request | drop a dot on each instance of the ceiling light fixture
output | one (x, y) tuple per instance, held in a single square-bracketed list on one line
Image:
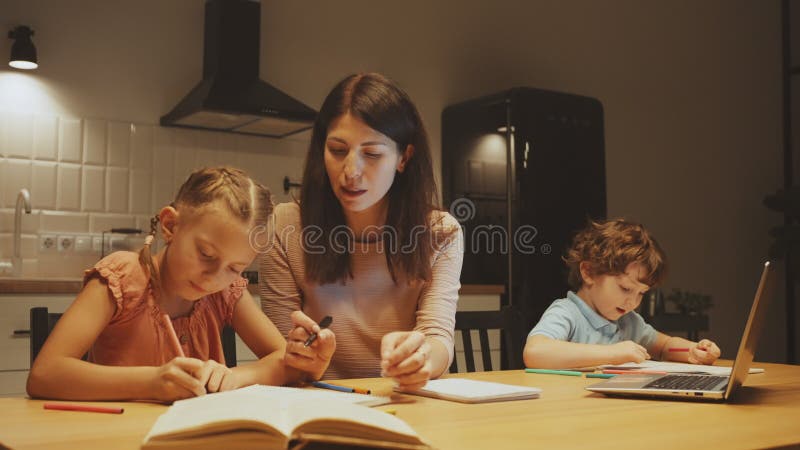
[(23, 52)]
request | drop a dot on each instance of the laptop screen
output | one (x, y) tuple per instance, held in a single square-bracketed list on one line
[(752, 330)]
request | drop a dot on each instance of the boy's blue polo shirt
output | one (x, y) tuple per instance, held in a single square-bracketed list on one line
[(571, 319)]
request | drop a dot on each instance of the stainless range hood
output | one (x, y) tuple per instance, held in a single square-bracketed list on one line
[(231, 97)]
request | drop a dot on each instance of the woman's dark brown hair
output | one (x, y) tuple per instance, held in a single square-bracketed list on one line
[(384, 107), (610, 246)]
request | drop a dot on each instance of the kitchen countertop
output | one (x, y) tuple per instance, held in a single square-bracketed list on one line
[(73, 285)]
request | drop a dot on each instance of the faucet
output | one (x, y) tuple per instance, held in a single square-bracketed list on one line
[(23, 200)]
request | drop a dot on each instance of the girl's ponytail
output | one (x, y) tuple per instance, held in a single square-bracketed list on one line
[(146, 257)]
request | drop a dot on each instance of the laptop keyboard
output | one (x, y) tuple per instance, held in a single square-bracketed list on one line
[(686, 382)]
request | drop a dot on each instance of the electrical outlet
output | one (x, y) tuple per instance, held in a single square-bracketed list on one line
[(83, 244), (66, 243), (47, 243)]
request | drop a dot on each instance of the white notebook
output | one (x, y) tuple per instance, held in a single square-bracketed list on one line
[(473, 391), (673, 367)]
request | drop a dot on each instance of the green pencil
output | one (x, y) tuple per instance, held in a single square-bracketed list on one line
[(572, 373), (600, 375)]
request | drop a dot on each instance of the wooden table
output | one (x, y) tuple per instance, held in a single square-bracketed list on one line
[(765, 413)]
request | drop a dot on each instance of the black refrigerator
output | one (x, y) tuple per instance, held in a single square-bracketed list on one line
[(522, 171)]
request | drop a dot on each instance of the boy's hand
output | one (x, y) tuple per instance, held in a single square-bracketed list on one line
[(315, 358), (703, 352), (405, 356), (627, 351), (175, 380)]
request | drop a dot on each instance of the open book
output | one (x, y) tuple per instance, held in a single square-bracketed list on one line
[(675, 367), (473, 391), (269, 417)]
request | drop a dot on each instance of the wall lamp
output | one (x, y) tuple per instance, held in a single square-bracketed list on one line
[(23, 52)]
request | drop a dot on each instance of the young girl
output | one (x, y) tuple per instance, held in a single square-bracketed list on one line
[(365, 245), (133, 306), (611, 266)]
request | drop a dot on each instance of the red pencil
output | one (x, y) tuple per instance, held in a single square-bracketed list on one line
[(634, 372), (678, 349), (85, 408)]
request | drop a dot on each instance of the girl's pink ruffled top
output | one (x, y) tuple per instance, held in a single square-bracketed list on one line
[(136, 336)]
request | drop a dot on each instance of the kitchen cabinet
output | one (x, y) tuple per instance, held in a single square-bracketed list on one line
[(15, 343)]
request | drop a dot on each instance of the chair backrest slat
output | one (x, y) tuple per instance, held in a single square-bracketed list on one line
[(469, 357), (507, 320)]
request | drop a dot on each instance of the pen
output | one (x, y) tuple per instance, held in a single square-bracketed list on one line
[(573, 373), (324, 323), (634, 372), (678, 349), (600, 375), (85, 408), (336, 387), (176, 344)]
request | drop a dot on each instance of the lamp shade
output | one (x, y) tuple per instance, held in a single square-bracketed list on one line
[(23, 52)]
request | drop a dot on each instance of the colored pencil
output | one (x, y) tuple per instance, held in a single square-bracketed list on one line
[(83, 408)]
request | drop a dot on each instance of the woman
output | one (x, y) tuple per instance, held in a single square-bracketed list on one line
[(365, 245)]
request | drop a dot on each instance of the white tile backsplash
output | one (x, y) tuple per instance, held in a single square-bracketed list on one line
[(90, 175), (141, 191), (30, 222), (142, 146), (185, 163), (70, 140), (93, 188), (117, 190), (211, 158), (68, 196), (119, 144), (43, 185), (17, 139), (163, 188), (45, 138), (105, 222), (59, 221), (28, 245), (17, 176), (94, 141)]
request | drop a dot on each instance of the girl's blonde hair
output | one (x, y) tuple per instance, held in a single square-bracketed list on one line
[(244, 197), (610, 246)]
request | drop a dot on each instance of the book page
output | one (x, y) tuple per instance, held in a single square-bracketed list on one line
[(350, 420), (676, 367), (264, 405)]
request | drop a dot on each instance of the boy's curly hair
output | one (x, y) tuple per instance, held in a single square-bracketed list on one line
[(610, 246)]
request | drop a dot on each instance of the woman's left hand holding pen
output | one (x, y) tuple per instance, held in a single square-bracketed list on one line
[(405, 356), (314, 357)]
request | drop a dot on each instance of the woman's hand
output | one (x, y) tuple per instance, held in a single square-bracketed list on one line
[(176, 380), (315, 358), (405, 356), (704, 352)]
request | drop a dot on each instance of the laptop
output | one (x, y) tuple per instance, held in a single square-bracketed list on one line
[(702, 387)]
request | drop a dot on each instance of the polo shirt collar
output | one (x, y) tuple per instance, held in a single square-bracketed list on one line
[(595, 320)]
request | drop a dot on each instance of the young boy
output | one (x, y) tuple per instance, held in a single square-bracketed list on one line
[(611, 266)]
